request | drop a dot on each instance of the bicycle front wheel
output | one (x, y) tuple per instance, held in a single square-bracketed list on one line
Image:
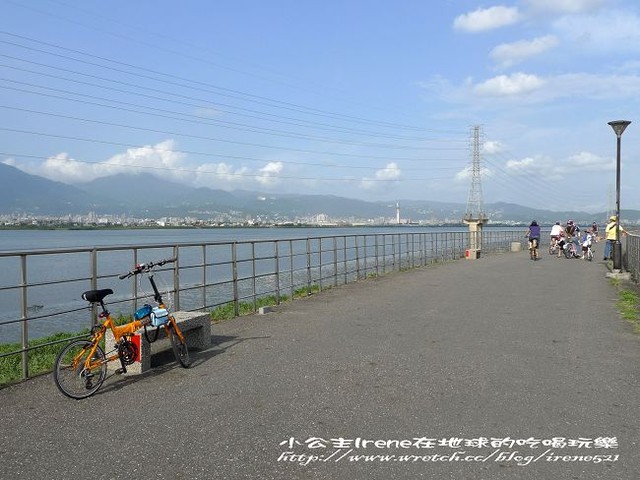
[(70, 373), (179, 347)]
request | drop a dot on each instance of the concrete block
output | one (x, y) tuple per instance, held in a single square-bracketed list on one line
[(195, 326)]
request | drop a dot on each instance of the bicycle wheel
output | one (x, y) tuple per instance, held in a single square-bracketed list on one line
[(568, 251), (180, 350), (71, 376)]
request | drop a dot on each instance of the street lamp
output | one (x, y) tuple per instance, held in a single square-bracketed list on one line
[(618, 127)]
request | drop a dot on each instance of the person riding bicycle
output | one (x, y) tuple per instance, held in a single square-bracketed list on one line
[(594, 231), (533, 233), (586, 242), (557, 233), (572, 230)]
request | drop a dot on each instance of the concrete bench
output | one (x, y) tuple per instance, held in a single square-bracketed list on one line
[(195, 326)]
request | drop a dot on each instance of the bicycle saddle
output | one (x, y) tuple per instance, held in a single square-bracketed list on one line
[(96, 295)]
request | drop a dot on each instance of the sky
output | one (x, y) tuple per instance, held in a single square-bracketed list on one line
[(367, 99)]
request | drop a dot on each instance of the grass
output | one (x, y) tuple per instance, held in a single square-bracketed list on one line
[(628, 305), (227, 311), (40, 360)]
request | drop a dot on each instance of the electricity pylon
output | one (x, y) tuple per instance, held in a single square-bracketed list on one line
[(475, 215)]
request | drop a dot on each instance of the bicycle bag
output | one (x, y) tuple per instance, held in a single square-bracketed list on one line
[(142, 312), (159, 316)]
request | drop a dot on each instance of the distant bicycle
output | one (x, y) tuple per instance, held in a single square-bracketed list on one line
[(554, 246), (571, 250)]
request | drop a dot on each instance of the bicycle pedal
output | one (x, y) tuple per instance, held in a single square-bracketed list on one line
[(121, 371)]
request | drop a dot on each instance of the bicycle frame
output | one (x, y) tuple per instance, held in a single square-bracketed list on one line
[(119, 331)]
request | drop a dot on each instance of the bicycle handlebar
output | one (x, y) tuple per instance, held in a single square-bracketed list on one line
[(146, 267)]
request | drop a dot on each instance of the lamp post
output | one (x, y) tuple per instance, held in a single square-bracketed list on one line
[(618, 127)]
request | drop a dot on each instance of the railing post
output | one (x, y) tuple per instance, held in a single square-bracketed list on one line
[(320, 262), (291, 283), (375, 248), (355, 239), (277, 270), (94, 285), (24, 311), (384, 253), (335, 261), (344, 259), (253, 275), (308, 266), (176, 278), (204, 277), (234, 266), (134, 289)]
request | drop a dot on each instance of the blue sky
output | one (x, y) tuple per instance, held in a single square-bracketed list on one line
[(366, 99)]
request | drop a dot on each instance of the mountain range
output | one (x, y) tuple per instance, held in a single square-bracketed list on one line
[(147, 196)]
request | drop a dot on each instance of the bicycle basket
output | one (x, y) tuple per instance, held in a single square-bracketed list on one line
[(159, 316), (142, 312)]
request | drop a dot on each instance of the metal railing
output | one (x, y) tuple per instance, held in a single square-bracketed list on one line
[(631, 256), (40, 290)]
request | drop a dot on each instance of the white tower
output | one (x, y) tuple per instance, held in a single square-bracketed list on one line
[(398, 213)]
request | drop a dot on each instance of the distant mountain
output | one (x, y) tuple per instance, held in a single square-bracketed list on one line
[(149, 196), (21, 192)]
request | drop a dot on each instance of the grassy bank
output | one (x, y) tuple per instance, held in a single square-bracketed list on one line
[(629, 307)]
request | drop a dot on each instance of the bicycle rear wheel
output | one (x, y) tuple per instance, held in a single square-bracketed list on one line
[(179, 347), (70, 374)]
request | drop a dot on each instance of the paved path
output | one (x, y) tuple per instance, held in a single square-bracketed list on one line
[(500, 347)]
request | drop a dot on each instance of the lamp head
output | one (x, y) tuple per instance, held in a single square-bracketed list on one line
[(619, 126)]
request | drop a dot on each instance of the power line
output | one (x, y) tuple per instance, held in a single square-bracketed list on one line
[(220, 90), (234, 157), (203, 120), (269, 175)]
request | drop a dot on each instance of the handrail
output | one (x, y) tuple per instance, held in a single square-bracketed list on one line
[(208, 275)]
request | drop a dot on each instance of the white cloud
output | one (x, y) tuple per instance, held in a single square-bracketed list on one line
[(565, 6), (383, 177), (464, 175), (586, 161), (492, 147), (613, 32), (540, 166), (219, 175), (549, 169), (66, 169), (508, 54), (509, 85), (269, 173), (481, 20)]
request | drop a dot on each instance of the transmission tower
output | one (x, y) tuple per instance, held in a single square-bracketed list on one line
[(475, 215), (475, 204)]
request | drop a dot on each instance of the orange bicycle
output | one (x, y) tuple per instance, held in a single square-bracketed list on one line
[(81, 367)]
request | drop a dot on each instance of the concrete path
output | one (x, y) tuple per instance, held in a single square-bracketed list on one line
[(500, 368)]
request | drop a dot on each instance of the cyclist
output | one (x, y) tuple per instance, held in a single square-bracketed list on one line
[(557, 232), (534, 239), (573, 233), (586, 241), (594, 231)]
